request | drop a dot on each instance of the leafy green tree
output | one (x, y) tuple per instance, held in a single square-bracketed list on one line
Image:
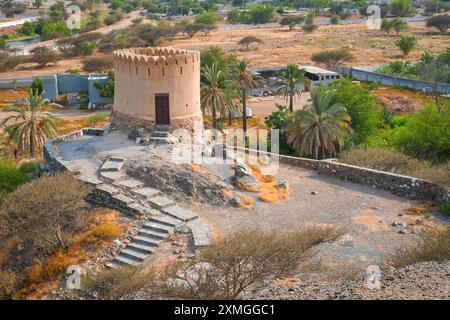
[(332, 58), (406, 44), (224, 62), (234, 16), (440, 22), (32, 124), (386, 25), (280, 119), (319, 128), (248, 40), (400, 8), (398, 25), (291, 21), (207, 18), (361, 106), (260, 14), (426, 134), (289, 81), (28, 28), (106, 89), (215, 91)]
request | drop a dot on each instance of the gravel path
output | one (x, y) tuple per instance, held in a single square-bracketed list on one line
[(425, 280)]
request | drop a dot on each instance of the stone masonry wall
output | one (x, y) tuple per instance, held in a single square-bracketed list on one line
[(395, 183)]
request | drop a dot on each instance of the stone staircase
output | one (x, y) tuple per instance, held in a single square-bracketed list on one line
[(161, 134), (115, 189)]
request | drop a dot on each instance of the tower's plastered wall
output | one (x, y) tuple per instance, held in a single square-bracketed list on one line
[(140, 73)]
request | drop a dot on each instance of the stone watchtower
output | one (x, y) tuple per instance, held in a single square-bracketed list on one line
[(156, 87)]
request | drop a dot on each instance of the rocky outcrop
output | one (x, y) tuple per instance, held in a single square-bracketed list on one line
[(244, 178)]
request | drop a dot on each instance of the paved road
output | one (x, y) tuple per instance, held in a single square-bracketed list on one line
[(17, 22)]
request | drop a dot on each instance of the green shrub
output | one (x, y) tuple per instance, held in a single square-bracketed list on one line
[(37, 85), (11, 176), (96, 118), (445, 209), (335, 19), (361, 106), (426, 134)]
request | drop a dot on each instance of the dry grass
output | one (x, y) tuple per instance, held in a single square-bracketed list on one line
[(9, 95), (396, 162), (99, 227), (434, 246), (234, 263), (246, 202), (268, 192), (107, 231), (66, 126)]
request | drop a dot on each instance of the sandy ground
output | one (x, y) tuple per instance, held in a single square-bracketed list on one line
[(279, 47), (370, 47), (264, 106), (365, 212)]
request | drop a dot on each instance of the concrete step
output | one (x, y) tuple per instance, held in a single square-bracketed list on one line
[(122, 260), (141, 248), (166, 220), (162, 127), (133, 254), (160, 202), (179, 213), (122, 200), (152, 234), (137, 208), (112, 176), (117, 159), (146, 192), (108, 189), (158, 227), (131, 184), (142, 239), (160, 134), (160, 140), (112, 166)]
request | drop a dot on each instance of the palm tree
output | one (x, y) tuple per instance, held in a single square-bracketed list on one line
[(246, 81), (318, 129), (32, 124), (288, 82), (216, 92)]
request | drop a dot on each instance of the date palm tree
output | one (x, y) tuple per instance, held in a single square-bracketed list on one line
[(319, 129), (216, 92), (288, 83), (246, 81), (32, 124)]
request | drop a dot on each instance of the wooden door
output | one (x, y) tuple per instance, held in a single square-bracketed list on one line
[(162, 108)]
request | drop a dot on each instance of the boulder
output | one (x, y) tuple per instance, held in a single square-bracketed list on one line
[(283, 185), (244, 178)]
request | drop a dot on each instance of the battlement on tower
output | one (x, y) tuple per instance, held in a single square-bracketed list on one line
[(157, 56)]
